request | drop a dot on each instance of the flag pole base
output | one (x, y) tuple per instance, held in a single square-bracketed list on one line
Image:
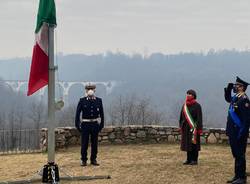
[(50, 174), (64, 178)]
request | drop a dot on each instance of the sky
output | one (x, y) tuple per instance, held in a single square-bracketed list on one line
[(129, 26)]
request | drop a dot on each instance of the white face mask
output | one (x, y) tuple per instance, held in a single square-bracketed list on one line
[(90, 92)]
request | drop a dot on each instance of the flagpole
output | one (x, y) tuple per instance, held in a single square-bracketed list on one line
[(51, 97)]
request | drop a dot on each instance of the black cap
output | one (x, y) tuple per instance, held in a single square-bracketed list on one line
[(240, 81), (192, 92), (90, 86)]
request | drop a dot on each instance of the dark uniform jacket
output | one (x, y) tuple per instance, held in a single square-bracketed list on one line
[(186, 135), (91, 108), (242, 109)]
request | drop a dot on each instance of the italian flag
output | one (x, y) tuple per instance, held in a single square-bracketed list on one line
[(39, 70)]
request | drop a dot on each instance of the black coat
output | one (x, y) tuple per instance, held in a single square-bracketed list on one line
[(90, 109), (242, 109), (186, 135)]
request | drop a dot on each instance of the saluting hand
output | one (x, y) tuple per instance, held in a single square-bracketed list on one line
[(230, 86)]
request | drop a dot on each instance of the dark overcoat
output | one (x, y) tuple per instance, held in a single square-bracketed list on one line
[(186, 134)]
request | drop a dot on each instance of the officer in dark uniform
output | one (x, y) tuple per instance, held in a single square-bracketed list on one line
[(238, 127), (90, 123)]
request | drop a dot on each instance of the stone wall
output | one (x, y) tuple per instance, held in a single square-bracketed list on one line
[(69, 136)]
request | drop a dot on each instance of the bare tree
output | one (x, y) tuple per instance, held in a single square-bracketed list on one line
[(132, 110), (2, 120), (144, 111), (119, 110), (37, 113), (175, 111), (2, 127), (66, 117), (19, 120), (111, 115), (11, 137)]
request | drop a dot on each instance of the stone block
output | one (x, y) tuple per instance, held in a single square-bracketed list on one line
[(152, 131), (133, 134), (179, 137), (162, 132), (141, 134), (212, 139), (107, 130), (105, 138), (171, 138), (118, 141), (223, 137), (169, 132), (112, 135), (217, 135), (126, 131), (74, 132), (72, 141)]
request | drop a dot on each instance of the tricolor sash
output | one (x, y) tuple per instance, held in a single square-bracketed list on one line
[(235, 117), (191, 123)]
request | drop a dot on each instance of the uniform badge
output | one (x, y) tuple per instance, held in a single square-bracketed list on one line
[(247, 104)]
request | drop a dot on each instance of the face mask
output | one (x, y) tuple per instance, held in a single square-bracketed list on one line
[(189, 97), (90, 92)]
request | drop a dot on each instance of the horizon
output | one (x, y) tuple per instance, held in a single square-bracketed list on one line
[(202, 52)]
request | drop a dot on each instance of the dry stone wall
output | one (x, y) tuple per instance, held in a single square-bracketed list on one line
[(69, 136)]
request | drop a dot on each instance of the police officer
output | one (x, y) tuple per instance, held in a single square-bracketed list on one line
[(238, 121), (90, 124)]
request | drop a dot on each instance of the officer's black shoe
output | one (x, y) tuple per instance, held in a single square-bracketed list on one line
[(94, 163), (83, 163), (240, 181), (193, 163), (187, 162)]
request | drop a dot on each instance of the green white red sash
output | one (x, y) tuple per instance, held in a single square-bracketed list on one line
[(191, 123)]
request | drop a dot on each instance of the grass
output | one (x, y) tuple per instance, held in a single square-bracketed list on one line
[(136, 164)]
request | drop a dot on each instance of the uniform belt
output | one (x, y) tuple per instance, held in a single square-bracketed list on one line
[(89, 120)]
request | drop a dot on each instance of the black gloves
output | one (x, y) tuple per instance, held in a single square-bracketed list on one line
[(230, 86)]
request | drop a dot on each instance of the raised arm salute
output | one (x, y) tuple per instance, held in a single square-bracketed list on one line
[(238, 121)]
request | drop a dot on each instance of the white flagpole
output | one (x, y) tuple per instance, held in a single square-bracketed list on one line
[(51, 98)]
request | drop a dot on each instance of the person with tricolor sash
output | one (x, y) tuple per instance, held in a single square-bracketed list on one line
[(191, 128), (237, 130)]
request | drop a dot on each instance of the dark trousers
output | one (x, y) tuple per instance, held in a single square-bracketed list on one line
[(193, 154), (89, 130), (238, 148)]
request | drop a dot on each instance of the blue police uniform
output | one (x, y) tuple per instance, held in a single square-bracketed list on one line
[(89, 125), (238, 132)]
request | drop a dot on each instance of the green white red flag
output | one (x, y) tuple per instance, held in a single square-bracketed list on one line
[(39, 71)]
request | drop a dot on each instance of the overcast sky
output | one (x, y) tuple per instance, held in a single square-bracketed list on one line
[(130, 26)]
